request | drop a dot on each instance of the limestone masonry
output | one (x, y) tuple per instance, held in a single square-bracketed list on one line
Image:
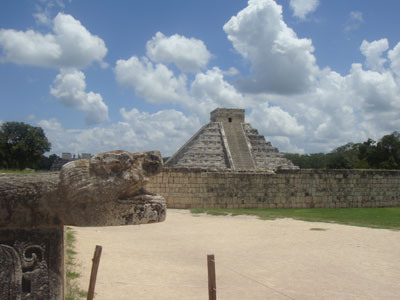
[(190, 188), (227, 142)]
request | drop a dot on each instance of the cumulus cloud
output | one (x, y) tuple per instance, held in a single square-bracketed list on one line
[(378, 91), (165, 130), (273, 121), (280, 61), (188, 54), (69, 86), (157, 84), (69, 45), (373, 53), (394, 56), (211, 87), (154, 83), (301, 8), (362, 104)]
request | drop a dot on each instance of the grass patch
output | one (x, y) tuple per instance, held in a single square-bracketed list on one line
[(387, 217), (73, 292), (15, 171), (318, 229)]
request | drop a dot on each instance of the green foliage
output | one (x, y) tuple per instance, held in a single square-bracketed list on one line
[(21, 145), (388, 217), (384, 154), (45, 162), (308, 161), (318, 229), (13, 171)]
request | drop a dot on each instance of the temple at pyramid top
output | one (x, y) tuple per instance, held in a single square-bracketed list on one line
[(227, 142)]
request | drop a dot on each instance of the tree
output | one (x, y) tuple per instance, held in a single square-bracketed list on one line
[(384, 154), (346, 157), (308, 161), (21, 145), (45, 162)]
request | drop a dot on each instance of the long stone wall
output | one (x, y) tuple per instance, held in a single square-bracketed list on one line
[(189, 188)]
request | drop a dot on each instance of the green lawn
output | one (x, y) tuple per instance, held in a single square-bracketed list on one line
[(388, 217), (13, 171)]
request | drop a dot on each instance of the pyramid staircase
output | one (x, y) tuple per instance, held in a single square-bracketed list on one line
[(238, 146)]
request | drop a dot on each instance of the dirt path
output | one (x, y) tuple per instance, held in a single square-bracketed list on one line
[(255, 259)]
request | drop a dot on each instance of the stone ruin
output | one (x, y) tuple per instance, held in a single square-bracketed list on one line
[(108, 189), (227, 142)]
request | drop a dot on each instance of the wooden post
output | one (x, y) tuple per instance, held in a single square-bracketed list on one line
[(93, 274), (212, 286)]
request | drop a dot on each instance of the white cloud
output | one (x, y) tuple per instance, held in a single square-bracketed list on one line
[(363, 104), (273, 121), (357, 16), (379, 92), (394, 56), (154, 83), (42, 18), (69, 86), (188, 54), (157, 84), (211, 87), (44, 10), (280, 61), (60, 139), (51, 124), (165, 130), (284, 144), (373, 52), (354, 21), (70, 45), (301, 8)]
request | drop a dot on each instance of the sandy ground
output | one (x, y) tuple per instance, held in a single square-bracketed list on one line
[(255, 259)]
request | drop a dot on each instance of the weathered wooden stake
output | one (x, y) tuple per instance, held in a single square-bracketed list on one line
[(212, 286), (93, 274)]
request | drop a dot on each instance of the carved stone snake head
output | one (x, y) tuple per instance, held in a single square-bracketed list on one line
[(109, 189)]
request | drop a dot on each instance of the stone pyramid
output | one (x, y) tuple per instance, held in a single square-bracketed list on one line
[(227, 142)]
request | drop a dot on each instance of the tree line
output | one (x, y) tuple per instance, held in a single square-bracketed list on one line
[(382, 154)]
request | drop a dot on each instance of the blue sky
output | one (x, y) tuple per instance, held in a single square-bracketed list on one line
[(143, 75)]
